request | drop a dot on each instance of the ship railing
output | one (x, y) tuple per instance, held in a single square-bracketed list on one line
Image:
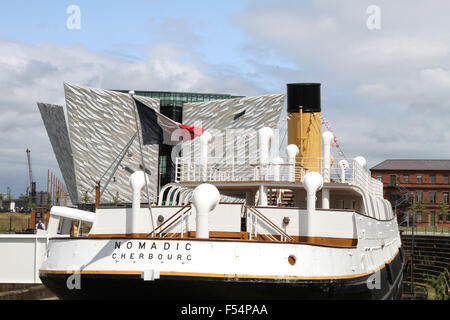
[(178, 217), (222, 169), (229, 169), (255, 216)]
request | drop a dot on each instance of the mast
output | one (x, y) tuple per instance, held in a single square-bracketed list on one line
[(32, 183)]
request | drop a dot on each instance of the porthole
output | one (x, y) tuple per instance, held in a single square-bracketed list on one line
[(292, 260)]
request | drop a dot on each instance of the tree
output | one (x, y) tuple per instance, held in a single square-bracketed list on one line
[(86, 198), (116, 199), (58, 196), (444, 209), (27, 198), (8, 195), (415, 207)]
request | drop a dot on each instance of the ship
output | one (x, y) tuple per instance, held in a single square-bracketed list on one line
[(304, 226)]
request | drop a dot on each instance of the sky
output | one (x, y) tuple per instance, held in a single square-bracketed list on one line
[(384, 65)]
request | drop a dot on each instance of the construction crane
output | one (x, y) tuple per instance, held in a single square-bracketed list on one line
[(32, 183)]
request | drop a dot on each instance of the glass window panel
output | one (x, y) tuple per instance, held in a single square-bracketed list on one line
[(432, 197), (419, 196)]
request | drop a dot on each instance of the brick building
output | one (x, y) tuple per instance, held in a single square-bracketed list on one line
[(424, 181)]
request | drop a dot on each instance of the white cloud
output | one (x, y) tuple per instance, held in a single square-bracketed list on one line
[(36, 73), (386, 92)]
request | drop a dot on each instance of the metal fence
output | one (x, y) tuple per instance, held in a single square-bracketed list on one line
[(14, 223)]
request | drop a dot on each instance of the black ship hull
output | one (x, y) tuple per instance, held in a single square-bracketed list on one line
[(385, 284)]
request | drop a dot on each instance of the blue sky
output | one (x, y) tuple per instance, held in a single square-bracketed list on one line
[(385, 91), (129, 28)]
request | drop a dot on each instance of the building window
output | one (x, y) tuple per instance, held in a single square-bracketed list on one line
[(441, 216), (393, 197), (405, 178), (163, 166), (445, 197), (432, 197), (419, 196), (433, 179), (419, 216), (432, 218), (380, 178), (419, 179), (445, 179), (392, 179)]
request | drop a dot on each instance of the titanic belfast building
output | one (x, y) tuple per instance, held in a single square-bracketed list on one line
[(95, 138)]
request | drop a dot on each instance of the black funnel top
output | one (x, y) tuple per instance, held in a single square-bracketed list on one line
[(306, 95)]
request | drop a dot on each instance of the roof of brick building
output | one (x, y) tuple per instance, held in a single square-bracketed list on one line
[(413, 164)]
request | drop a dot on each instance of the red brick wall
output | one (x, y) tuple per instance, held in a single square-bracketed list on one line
[(413, 187)]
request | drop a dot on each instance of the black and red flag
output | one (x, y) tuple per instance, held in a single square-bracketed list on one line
[(158, 129)]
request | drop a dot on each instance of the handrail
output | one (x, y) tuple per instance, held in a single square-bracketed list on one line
[(172, 216), (270, 223), (219, 169)]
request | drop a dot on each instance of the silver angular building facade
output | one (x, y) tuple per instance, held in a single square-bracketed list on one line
[(56, 126), (100, 124), (89, 134), (233, 124)]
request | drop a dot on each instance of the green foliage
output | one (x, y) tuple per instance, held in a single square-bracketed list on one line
[(440, 287), (86, 198), (444, 209), (58, 195), (116, 199), (415, 206), (27, 198)]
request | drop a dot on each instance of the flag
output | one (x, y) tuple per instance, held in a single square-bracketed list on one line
[(158, 129)]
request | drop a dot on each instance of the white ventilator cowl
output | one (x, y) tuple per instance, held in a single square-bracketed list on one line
[(205, 139), (361, 161), (292, 151), (276, 168), (204, 198), (312, 182), (265, 135), (137, 182), (343, 164)]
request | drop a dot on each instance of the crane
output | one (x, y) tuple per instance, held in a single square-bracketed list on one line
[(32, 183)]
